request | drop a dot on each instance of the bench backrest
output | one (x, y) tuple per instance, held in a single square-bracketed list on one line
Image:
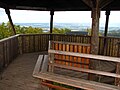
[(71, 60)]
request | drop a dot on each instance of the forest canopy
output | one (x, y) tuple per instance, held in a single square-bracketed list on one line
[(6, 30)]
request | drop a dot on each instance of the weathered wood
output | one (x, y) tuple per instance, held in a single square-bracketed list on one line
[(44, 67), (51, 58), (95, 30), (87, 70), (43, 40), (75, 82), (8, 51), (104, 3), (41, 64), (38, 64), (95, 34), (97, 57)]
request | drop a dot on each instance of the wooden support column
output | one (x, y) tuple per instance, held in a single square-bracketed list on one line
[(95, 37), (95, 30), (10, 20), (51, 23), (107, 13)]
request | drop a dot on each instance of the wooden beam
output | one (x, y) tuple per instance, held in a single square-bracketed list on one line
[(96, 57), (10, 20), (104, 3), (88, 2)]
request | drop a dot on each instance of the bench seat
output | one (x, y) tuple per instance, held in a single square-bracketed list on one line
[(41, 72)]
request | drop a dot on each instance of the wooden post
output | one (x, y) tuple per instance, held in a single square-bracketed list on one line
[(117, 80), (107, 20), (51, 23), (10, 20), (106, 30), (95, 36), (95, 31)]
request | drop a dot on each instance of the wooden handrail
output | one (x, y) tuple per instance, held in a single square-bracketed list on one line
[(5, 39)]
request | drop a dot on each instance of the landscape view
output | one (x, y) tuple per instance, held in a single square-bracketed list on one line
[(59, 45), (59, 28)]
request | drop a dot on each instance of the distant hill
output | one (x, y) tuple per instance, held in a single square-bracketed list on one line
[(72, 26)]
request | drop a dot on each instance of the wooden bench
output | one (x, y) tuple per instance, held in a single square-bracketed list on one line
[(45, 66)]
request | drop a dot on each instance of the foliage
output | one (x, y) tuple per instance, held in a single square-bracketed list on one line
[(60, 30), (89, 32), (5, 31)]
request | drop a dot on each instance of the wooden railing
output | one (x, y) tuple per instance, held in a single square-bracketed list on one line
[(110, 48), (33, 43), (10, 47), (8, 51), (39, 42)]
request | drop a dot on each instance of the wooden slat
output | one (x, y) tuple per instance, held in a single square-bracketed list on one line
[(75, 82), (44, 66), (87, 70), (97, 57), (38, 64)]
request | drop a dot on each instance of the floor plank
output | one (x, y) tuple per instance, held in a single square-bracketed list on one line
[(18, 75)]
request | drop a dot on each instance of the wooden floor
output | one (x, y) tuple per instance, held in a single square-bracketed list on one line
[(18, 75)]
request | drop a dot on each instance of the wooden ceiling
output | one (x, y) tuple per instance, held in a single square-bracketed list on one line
[(57, 5)]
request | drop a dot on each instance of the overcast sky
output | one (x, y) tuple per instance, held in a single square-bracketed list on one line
[(24, 16)]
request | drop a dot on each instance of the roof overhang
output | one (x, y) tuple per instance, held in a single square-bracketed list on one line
[(56, 5)]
